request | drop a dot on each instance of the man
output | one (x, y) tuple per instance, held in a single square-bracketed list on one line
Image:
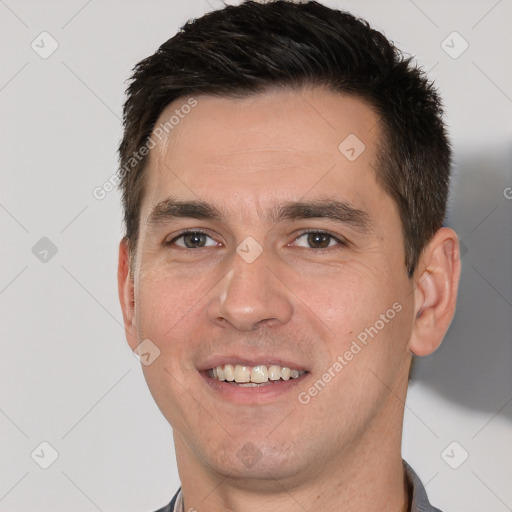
[(285, 174)]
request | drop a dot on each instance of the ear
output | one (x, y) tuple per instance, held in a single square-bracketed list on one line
[(435, 293), (126, 293)]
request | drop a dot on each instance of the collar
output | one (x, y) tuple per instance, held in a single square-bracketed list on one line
[(417, 494)]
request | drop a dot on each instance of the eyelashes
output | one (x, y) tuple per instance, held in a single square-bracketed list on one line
[(322, 235), (189, 233)]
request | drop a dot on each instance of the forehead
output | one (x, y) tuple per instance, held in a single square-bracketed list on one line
[(277, 145)]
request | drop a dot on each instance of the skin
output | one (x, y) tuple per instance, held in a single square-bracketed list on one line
[(340, 451)]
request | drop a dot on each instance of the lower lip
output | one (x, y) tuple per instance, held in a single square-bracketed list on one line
[(252, 394)]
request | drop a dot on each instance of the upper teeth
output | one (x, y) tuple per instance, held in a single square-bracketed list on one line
[(257, 374)]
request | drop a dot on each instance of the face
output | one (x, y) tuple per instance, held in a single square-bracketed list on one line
[(266, 245)]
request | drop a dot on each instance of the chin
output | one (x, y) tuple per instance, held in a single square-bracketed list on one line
[(246, 460)]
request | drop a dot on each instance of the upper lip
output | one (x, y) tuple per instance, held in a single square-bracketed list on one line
[(267, 360)]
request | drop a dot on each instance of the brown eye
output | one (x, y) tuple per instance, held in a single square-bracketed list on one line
[(192, 240), (319, 240)]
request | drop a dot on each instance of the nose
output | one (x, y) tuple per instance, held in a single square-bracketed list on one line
[(251, 294)]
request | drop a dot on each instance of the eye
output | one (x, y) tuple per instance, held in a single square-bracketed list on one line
[(192, 240), (319, 240)]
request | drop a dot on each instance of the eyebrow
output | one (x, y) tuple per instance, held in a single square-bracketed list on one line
[(330, 209)]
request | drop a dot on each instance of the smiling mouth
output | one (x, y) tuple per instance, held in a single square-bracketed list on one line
[(254, 376)]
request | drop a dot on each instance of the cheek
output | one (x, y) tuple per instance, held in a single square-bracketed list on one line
[(368, 315), (166, 309), (164, 306), (346, 299)]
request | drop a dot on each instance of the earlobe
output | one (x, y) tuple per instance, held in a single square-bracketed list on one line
[(435, 293), (126, 293)]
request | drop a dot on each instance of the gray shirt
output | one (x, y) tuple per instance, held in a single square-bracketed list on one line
[(417, 496)]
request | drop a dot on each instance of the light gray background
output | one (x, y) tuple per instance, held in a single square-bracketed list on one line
[(67, 376)]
